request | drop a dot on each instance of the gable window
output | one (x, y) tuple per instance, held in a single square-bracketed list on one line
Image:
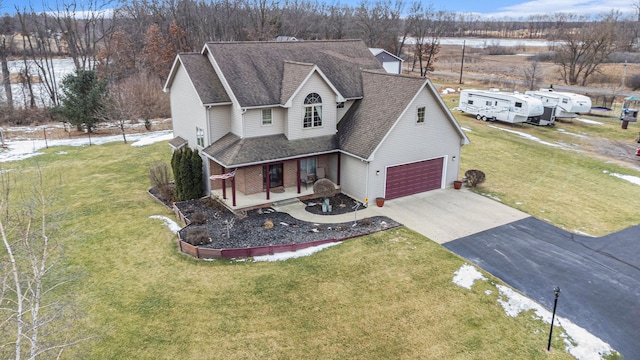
[(421, 112), (518, 104), (266, 117), (340, 105), (312, 111), (470, 102), (200, 137)]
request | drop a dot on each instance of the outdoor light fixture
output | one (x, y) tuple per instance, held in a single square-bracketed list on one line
[(377, 172), (453, 158), (556, 292)]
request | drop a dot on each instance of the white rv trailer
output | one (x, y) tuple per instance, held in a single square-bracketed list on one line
[(502, 106), (568, 105)]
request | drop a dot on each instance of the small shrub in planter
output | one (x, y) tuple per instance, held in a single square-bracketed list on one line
[(268, 224), (199, 218), (198, 236), (365, 222), (165, 192), (159, 174)]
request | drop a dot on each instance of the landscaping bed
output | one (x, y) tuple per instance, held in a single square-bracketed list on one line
[(212, 226), (340, 204)]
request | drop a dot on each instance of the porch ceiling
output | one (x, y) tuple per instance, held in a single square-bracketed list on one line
[(232, 151)]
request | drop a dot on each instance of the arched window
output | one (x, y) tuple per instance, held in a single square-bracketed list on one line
[(312, 111)]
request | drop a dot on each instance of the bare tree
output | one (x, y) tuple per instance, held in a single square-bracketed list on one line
[(34, 321), (532, 75), (584, 50), (7, 34)]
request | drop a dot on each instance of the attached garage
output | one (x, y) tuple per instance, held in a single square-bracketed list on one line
[(413, 178)]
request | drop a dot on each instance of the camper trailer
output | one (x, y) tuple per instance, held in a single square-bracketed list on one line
[(501, 106), (568, 105)]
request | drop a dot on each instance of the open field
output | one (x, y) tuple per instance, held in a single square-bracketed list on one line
[(389, 295)]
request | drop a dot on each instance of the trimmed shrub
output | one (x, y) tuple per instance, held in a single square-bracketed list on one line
[(474, 177), (198, 236), (187, 172), (198, 218), (268, 224), (324, 188)]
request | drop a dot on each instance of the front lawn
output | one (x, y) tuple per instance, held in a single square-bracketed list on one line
[(387, 295)]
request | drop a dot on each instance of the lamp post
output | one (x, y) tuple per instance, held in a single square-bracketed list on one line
[(556, 292)]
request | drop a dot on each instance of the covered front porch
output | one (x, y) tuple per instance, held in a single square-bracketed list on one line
[(252, 201)]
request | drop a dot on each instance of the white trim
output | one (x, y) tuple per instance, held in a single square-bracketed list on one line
[(274, 160), (315, 68)]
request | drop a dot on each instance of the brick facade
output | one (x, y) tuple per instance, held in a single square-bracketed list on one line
[(249, 180)]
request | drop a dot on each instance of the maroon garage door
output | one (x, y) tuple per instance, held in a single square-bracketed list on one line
[(413, 178)]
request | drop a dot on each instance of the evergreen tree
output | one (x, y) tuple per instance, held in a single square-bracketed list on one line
[(82, 100), (175, 166), (186, 175), (196, 170)]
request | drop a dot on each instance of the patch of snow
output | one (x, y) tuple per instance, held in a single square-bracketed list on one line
[(448, 91), (630, 178), (576, 231), (24, 149), (491, 197), (578, 341), (148, 140), (488, 292), (294, 254), (62, 153), (573, 134), (587, 121), (466, 129), (466, 275), (172, 225), (526, 136)]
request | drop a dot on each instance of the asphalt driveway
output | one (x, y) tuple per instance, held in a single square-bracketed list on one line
[(599, 277)]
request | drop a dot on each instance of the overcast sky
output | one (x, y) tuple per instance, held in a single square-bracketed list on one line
[(493, 8)]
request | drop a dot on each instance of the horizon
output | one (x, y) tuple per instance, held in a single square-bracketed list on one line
[(497, 9)]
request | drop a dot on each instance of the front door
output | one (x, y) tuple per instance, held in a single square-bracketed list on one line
[(275, 176)]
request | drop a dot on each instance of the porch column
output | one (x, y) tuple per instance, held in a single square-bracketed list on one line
[(224, 185), (268, 175), (298, 175), (338, 172), (233, 190)]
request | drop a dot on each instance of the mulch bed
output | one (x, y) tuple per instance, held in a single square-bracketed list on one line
[(263, 227), (340, 204)]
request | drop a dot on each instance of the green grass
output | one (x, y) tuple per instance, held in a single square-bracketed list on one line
[(568, 188), (388, 295)]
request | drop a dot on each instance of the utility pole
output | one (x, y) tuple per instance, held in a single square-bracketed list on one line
[(462, 62)]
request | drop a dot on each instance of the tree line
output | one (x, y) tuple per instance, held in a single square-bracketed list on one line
[(131, 44)]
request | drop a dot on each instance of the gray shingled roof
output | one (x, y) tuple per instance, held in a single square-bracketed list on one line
[(370, 119), (204, 78), (177, 142), (294, 74), (232, 151), (255, 70)]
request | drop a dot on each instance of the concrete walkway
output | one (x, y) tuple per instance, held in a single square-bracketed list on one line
[(441, 215)]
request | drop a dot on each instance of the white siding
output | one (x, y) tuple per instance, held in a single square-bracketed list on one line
[(436, 137), (219, 122), (392, 67), (253, 123), (315, 84), (237, 119), (353, 177), (186, 110)]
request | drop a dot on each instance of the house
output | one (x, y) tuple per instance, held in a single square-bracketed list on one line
[(391, 63), (268, 118)]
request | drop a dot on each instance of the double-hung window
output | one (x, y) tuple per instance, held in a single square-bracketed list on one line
[(421, 114), (267, 118), (309, 165), (312, 111), (200, 137)]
